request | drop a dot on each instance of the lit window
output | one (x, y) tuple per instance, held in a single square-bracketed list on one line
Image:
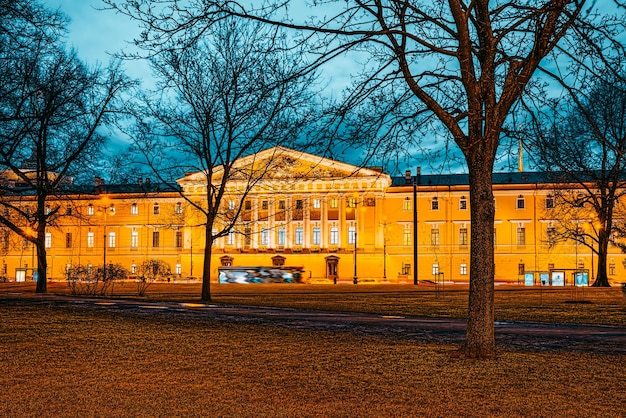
[(133, 268), (334, 203), (48, 243), (407, 236), (435, 269), (178, 208), (351, 235), (90, 210), (134, 238), (134, 209), (90, 239), (231, 238), (265, 237), (231, 205), (406, 204), (282, 236), (521, 235), (352, 202), (179, 269), (299, 238), (463, 269), (112, 209), (317, 203), (334, 235), (317, 236), (112, 239)]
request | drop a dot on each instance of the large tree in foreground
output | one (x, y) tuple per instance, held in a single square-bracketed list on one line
[(51, 106), (226, 95), (582, 142), (464, 64)]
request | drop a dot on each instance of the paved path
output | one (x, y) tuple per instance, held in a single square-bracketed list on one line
[(525, 336)]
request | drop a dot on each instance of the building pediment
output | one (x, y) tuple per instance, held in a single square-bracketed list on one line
[(284, 164)]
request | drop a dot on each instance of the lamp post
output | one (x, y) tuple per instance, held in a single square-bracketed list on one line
[(106, 206), (355, 279)]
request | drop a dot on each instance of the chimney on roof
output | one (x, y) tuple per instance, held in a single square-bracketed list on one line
[(98, 184), (407, 176), (140, 182), (147, 181)]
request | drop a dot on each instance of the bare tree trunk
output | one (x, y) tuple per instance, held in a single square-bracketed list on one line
[(42, 267), (480, 338), (206, 267), (602, 279)]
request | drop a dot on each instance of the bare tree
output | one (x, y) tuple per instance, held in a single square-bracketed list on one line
[(583, 144), (226, 95), (464, 65), (51, 108)]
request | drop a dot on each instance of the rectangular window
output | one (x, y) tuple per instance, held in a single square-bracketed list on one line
[(133, 268), (264, 205), (134, 238), (407, 236), (231, 238), (134, 209), (463, 236), (299, 238), (521, 235), (521, 269), (68, 240), (231, 205), (406, 205), (178, 238), (334, 203), (156, 209), (462, 203), (112, 241), (549, 202), (299, 205), (68, 210), (434, 237), (352, 202), (434, 204), (551, 236), (178, 269), (435, 269), (351, 235), (334, 235), (463, 269), (156, 238), (265, 237), (317, 203), (282, 236), (48, 242), (521, 203), (178, 208), (316, 238), (247, 205), (90, 239), (90, 210)]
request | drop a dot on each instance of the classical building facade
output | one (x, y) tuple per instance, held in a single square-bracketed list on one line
[(338, 222)]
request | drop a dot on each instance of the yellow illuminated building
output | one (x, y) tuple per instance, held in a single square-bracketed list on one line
[(339, 222)]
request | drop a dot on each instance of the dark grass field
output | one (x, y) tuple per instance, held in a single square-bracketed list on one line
[(72, 361)]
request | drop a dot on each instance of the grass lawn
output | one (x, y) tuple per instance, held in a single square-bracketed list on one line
[(62, 362)]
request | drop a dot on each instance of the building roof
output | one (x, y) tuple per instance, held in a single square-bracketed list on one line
[(463, 179)]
